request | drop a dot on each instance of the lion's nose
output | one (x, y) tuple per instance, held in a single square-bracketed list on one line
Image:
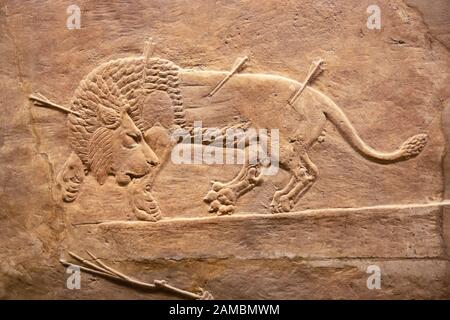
[(153, 163)]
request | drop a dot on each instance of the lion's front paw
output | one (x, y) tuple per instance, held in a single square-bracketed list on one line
[(221, 200), (149, 213), (145, 206), (281, 204)]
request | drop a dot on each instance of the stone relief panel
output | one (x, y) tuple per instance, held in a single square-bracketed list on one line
[(169, 175), (110, 135)]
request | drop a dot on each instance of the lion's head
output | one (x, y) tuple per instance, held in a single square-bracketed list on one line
[(121, 152), (107, 127)]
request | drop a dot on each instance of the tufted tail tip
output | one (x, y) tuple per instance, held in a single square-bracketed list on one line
[(414, 146)]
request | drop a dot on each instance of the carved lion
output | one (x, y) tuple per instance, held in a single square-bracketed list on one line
[(110, 136)]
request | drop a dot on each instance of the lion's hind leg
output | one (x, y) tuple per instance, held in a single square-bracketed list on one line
[(304, 174)]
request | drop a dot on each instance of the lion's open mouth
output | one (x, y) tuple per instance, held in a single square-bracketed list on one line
[(125, 178), (134, 176)]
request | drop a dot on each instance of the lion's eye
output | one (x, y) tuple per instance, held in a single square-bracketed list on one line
[(132, 139), (136, 136)]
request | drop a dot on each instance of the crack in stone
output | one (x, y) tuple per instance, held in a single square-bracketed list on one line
[(25, 89), (423, 20)]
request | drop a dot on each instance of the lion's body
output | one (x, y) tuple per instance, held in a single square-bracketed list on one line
[(119, 104), (259, 98), (262, 100)]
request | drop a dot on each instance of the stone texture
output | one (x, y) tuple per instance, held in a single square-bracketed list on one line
[(345, 233), (391, 83)]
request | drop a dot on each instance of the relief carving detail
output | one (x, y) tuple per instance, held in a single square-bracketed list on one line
[(110, 137)]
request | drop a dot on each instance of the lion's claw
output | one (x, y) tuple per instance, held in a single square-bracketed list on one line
[(205, 295), (281, 204), (221, 201)]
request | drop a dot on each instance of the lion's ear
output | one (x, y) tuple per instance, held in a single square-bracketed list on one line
[(109, 117), (70, 178)]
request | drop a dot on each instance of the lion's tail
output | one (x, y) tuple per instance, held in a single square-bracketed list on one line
[(409, 149)]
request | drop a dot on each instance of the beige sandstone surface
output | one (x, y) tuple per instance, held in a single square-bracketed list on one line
[(391, 84)]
